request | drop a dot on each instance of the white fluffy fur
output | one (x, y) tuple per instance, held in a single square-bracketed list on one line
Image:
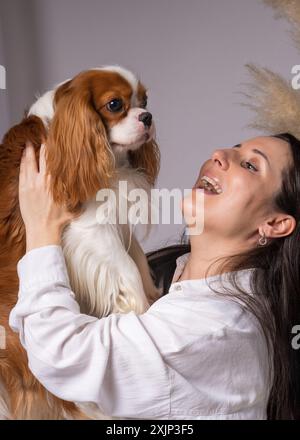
[(103, 275), (43, 107)]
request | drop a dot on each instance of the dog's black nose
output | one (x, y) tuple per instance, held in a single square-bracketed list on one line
[(146, 118)]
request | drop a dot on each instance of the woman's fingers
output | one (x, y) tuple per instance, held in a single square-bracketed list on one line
[(30, 165), (42, 164), (22, 171)]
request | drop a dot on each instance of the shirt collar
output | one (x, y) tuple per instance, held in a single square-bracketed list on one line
[(244, 277), (180, 263)]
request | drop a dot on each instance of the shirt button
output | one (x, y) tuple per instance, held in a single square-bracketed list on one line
[(178, 287)]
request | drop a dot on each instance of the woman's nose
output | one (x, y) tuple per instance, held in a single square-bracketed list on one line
[(220, 158)]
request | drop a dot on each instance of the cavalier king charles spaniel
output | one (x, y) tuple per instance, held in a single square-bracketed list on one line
[(97, 133)]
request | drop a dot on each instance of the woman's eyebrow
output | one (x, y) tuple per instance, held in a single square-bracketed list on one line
[(255, 150)]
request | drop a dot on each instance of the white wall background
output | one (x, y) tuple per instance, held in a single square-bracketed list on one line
[(190, 54)]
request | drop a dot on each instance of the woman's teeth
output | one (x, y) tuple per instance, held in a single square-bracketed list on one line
[(210, 185)]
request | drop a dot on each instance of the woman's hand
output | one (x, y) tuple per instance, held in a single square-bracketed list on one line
[(44, 220)]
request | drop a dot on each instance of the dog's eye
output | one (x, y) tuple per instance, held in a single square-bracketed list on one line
[(144, 103), (115, 105)]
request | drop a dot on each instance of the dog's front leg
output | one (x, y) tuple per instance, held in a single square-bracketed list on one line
[(139, 257)]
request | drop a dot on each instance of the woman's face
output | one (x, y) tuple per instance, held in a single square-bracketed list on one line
[(248, 176)]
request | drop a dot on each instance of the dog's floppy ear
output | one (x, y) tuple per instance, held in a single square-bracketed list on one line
[(147, 159), (78, 154), (62, 90)]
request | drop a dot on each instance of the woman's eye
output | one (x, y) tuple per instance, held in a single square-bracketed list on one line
[(250, 166), (115, 105)]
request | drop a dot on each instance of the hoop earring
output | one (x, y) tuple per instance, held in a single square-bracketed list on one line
[(262, 240)]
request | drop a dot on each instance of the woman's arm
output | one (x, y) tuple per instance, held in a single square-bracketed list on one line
[(112, 361)]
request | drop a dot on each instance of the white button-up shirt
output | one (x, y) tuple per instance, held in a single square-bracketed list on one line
[(192, 355)]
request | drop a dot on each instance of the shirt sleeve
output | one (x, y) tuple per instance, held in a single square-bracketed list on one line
[(113, 361)]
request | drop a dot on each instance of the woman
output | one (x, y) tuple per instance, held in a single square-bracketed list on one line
[(218, 345)]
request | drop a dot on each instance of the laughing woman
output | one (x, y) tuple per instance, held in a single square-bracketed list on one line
[(218, 344)]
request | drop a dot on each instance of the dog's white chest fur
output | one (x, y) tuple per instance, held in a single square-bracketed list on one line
[(102, 274)]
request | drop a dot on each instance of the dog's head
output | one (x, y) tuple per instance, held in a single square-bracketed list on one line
[(94, 118)]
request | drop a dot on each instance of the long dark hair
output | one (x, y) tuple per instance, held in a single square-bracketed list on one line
[(276, 287)]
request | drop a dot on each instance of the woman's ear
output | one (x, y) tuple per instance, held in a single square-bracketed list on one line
[(280, 226), (147, 159), (78, 154)]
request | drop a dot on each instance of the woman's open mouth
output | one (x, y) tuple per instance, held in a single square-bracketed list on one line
[(210, 186)]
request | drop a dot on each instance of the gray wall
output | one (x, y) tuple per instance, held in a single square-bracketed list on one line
[(4, 104), (190, 54)]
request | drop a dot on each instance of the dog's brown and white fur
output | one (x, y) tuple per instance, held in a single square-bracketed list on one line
[(97, 132)]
